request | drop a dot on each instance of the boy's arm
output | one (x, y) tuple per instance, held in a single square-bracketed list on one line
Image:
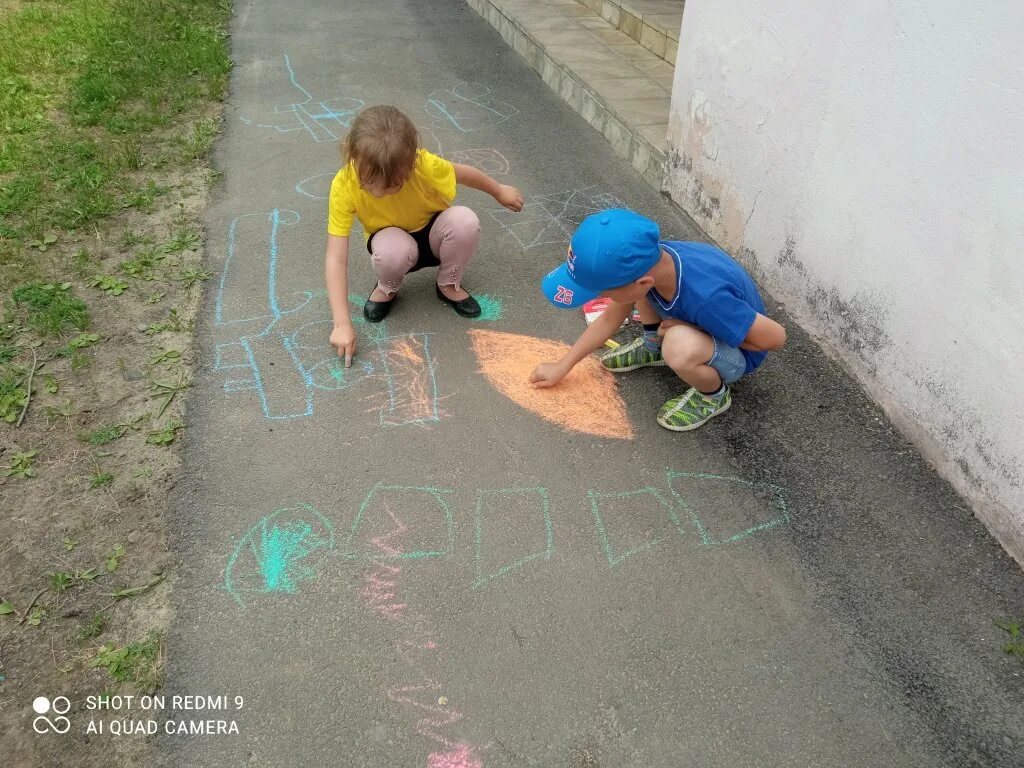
[(468, 176), (549, 374), (764, 335), (336, 274)]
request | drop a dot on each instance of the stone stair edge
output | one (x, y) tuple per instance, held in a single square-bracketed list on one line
[(646, 157)]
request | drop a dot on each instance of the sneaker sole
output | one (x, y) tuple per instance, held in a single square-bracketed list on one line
[(659, 364), (689, 427)]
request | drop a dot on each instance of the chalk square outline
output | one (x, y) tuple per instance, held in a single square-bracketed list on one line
[(705, 537), (549, 550), (437, 493), (602, 533)]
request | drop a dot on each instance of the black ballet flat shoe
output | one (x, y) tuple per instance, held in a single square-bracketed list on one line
[(467, 307), (375, 311)]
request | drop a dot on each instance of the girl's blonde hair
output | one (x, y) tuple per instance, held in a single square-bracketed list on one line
[(382, 143)]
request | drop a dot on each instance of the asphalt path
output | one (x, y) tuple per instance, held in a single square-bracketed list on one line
[(399, 564)]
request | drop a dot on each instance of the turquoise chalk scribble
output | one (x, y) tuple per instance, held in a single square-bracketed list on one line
[(490, 307), (280, 551)]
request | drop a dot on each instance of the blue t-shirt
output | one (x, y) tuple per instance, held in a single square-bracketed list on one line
[(714, 293)]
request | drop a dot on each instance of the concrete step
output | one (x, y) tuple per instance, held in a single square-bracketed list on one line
[(621, 88), (652, 23)]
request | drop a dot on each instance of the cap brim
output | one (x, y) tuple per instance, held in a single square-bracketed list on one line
[(563, 292)]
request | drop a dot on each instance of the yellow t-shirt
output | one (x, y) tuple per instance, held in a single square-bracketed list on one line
[(430, 189)]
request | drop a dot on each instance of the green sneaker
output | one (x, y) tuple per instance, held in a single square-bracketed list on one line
[(691, 409), (631, 356)]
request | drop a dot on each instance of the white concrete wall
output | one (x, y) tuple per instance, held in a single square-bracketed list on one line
[(865, 158)]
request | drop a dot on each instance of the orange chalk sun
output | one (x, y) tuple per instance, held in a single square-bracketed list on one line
[(587, 400)]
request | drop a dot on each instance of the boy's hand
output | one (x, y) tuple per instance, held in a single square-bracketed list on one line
[(343, 338), (547, 375), (510, 197)]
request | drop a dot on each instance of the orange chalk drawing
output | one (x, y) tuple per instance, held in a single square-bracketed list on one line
[(587, 400)]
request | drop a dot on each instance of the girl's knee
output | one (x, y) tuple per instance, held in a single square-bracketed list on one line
[(462, 220), (686, 347), (393, 251)]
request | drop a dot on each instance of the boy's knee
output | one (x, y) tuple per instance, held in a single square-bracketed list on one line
[(686, 347)]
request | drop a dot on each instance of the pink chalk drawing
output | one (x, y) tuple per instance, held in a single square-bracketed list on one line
[(416, 646), (462, 757), (380, 585), (436, 718)]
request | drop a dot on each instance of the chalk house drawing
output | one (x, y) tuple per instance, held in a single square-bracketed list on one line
[(466, 107), (552, 218), (322, 120), (278, 348)]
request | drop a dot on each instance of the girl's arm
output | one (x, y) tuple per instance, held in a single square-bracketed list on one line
[(336, 273), (468, 176)]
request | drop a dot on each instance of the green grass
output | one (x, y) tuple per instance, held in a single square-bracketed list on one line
[(92, 628), (137, 663), (105, 435), (13, 394), (1014, 645), (50, 308), (101, 480), (82, 82)]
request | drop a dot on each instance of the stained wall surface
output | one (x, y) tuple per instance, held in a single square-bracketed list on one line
[(863, 159)]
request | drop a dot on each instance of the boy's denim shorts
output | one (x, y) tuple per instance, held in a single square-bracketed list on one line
[(728, 361)]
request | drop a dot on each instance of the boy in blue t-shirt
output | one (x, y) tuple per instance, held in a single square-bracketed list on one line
[(701, 312)]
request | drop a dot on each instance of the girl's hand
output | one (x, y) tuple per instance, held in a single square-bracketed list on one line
[(547, 375), (510, 197), (343, 338)]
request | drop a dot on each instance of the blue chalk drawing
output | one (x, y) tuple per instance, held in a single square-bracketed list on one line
[(317, 187), (780, 515), (389, 546), (321, 120), (553, 218), (486, 159), (263, 324), (466, 107), (478, 544), (616, 557), (280, 551)]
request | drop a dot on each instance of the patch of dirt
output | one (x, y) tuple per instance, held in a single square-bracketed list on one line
[(94, 513)]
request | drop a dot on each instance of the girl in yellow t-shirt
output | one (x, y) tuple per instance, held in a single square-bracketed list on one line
[(402, 196)]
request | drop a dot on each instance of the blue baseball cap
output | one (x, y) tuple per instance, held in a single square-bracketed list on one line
[(608, 250)]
